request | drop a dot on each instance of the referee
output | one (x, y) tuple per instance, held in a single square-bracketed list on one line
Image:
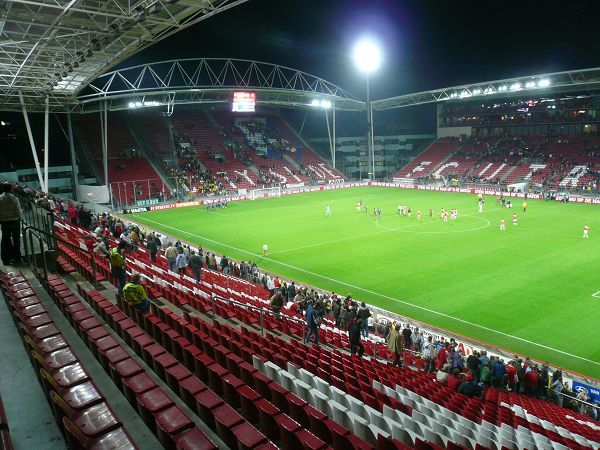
[(10, 221)]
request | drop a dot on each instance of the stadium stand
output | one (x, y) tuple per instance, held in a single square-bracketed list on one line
[(129, 172), (291, 391), (558, 162), (427, 162)]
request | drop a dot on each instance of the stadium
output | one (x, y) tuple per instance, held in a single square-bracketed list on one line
[(229, 224)]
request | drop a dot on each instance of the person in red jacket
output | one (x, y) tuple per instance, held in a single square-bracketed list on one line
[(455, 379), (72, 212), (532, 379), (511, 375), (442, 356)]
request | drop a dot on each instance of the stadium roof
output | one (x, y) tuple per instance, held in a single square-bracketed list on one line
[(570, 81), (211, 81), (55, 48)]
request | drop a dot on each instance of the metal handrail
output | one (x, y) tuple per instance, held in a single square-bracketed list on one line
[(30, 231), (262, 311)]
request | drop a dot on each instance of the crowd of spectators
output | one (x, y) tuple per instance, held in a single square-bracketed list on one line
[(468, 374)]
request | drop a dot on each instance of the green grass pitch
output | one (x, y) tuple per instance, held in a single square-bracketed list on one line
[(529, 289)]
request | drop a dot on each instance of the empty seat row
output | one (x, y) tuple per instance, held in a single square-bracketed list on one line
[(79, 407)]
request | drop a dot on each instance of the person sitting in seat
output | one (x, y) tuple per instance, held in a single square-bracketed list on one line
[(135, 294)]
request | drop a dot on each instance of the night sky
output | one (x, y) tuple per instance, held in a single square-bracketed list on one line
[(427, 44)]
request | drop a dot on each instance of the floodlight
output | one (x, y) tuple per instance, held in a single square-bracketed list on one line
[(315, 102), (530, 84), (515, 86), (503, 88), (545, 82), (138, 104), (367, 55), (326, 104), (131, 105), (2, 122)]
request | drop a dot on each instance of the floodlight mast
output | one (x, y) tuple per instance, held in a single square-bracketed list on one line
[(367, 58)]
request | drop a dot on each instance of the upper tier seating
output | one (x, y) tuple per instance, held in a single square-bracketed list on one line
[(317, 168), (155, 130), (566, 162), (133, 179), (124, 166), (424, 164), (209, 144), (374, 403), (252, 135)]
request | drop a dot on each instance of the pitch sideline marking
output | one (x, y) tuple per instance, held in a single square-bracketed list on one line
[(596, 294), (381, 295)]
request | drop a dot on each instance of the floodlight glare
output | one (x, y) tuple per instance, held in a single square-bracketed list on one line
[(530, 84), (544, 82), (131, 105), (315, 102), (326, 104), (515, 87), (367, 55)]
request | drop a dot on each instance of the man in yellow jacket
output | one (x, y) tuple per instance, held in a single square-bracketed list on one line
[(135, 294)]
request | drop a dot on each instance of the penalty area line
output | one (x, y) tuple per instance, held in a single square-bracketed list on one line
[(378, 294)]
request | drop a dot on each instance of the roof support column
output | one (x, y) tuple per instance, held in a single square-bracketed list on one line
[(73, 160), (104, 137), (333, 150), (46, 143), (32, 143)]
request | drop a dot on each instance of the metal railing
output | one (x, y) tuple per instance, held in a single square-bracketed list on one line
[(261, 311), (37, 217), (42, 237)]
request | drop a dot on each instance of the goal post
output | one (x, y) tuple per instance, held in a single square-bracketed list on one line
[(265, 192)]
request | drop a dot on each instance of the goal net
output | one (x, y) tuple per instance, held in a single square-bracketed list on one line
[(265, 192)]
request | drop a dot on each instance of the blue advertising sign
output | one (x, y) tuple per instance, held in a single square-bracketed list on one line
[(592, 392)]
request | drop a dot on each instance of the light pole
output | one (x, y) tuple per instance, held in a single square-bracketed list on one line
[(367, 58)]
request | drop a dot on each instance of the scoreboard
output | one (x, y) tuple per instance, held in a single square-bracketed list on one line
[(243, 101)]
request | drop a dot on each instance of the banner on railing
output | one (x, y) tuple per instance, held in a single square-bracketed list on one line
[(93, 194), (592, 392)]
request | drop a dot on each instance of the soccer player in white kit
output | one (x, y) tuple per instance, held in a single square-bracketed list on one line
[(265, 249), (328, 210), (480, 206), (585, 231)]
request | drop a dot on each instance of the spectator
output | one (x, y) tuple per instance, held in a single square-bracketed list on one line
[(497, 373), (407, 334), (276, 303), (195, 263), (531, 380), (363, 314), (394, 343), (10, 221), (100, 248), (135, 294), (312, 324), (171, 254), (511, 375), (427, 354), (181, 262), (455, 379), (117, 266), (224, 263), (442, 375), (356, 346), (152, 247), (484, 374), (417, 339), (557, 386), (473, 364)]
